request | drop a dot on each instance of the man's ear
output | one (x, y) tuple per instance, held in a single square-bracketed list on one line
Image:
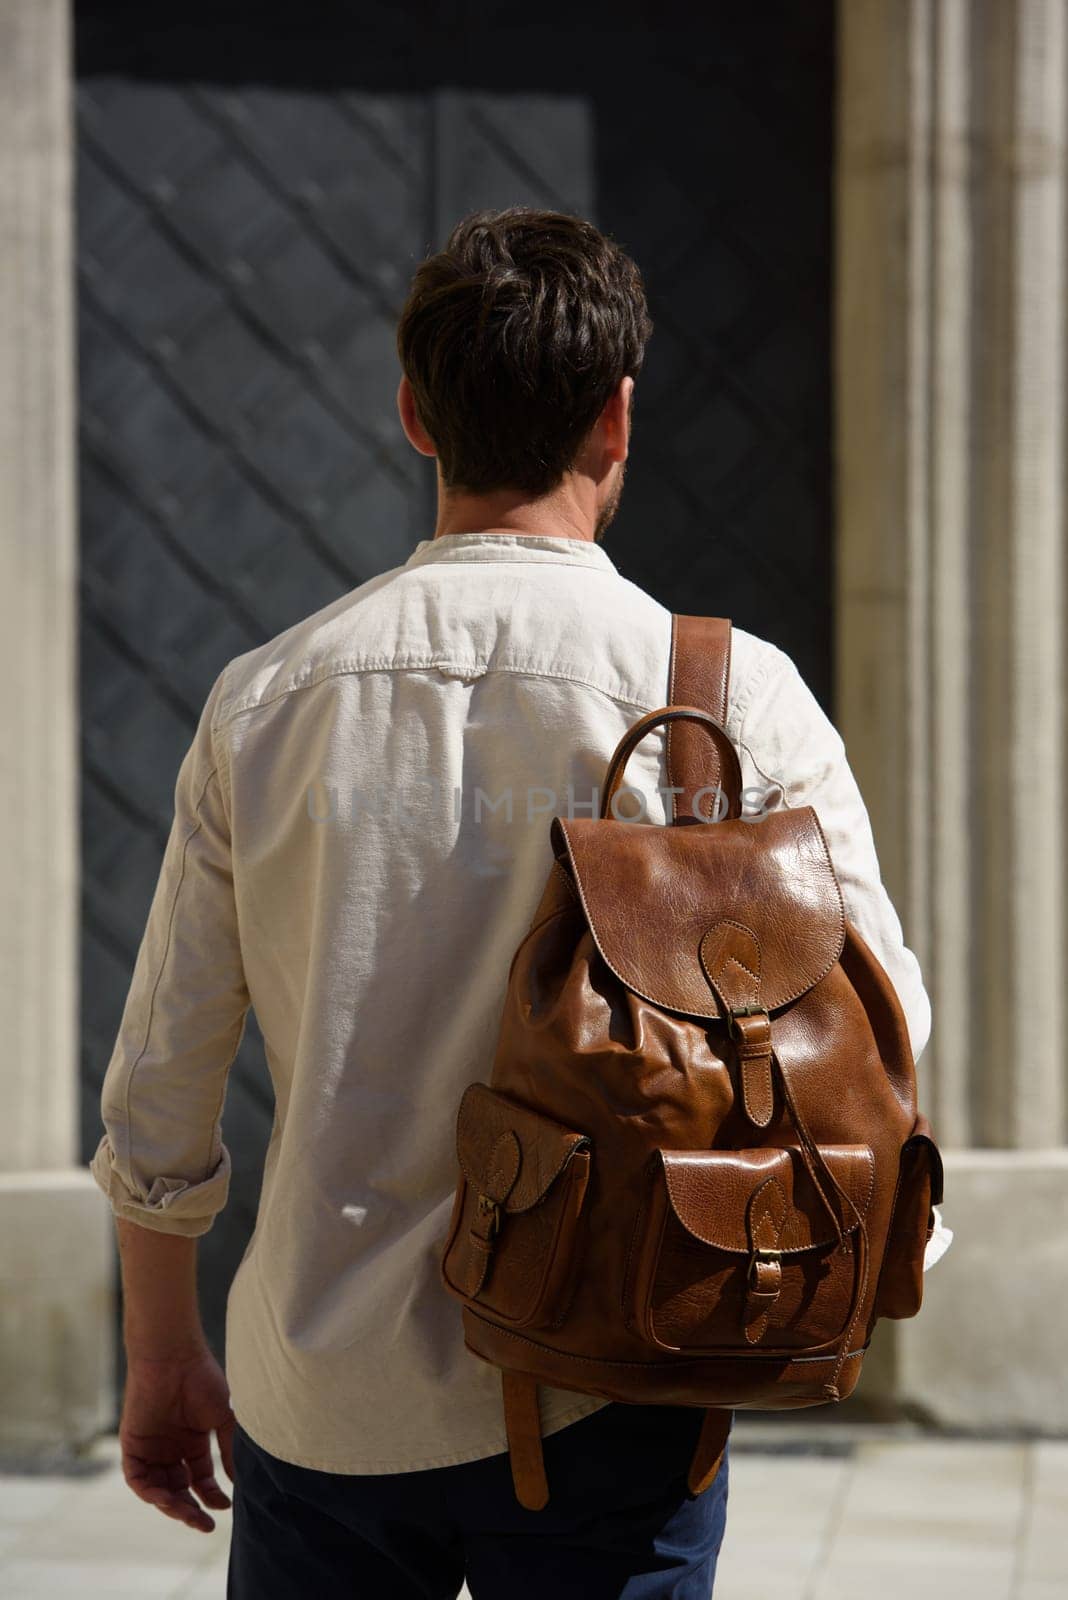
[(617, 419), (416, 433)]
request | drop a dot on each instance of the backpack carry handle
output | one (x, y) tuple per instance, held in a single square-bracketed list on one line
[(729, 776)]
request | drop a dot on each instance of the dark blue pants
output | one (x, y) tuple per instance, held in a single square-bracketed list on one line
[(619, 1524)]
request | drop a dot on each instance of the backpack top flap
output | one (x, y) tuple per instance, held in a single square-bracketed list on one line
[(670, 908)]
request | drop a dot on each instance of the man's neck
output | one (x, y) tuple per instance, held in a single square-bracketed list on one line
[(559, 515)]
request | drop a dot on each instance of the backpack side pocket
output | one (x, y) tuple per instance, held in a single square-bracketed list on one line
[(919, 1188), (514, 1225)]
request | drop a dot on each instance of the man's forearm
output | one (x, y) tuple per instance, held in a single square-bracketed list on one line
[(161, 1314)]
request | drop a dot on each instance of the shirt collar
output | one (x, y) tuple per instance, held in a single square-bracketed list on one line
[(511, 547)]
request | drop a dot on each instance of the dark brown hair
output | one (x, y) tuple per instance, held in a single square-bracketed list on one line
[(513, 338)]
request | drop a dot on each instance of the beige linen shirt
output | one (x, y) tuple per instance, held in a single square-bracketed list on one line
[(361, 835)]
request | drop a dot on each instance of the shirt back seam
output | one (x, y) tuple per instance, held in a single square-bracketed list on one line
[(464, 668)]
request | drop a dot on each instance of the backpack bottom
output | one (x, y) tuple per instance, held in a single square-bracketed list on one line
[(757, 1381)]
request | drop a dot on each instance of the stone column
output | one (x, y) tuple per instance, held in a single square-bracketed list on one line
[(56, 1249), (950, 349)]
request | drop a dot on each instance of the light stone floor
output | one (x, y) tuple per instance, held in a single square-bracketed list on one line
[(829, 1512)]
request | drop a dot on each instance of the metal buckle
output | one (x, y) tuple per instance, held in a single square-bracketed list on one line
[(486, 1204), (760, 1253), (742, 1011)]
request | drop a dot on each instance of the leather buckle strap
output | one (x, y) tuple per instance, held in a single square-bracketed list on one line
[(522, 1421), (731, 960), (768, 1211), (485, 1223), (707, 1457), (750, 1028)]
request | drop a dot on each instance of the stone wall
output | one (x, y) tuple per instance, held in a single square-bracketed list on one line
[(56, 1252), (949, 386)]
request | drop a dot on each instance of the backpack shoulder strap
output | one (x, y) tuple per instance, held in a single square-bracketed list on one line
[(699, 676)]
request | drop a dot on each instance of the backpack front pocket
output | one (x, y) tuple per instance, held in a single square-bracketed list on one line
[(510, 1248), (733, 1250)]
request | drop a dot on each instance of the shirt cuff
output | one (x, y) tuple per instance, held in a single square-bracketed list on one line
[(171, 1205)]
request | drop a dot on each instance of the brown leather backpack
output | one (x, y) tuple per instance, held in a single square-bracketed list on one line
[(697, 1175)]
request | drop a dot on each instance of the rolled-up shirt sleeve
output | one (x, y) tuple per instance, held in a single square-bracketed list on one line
[(792, 744), (161, 1160)]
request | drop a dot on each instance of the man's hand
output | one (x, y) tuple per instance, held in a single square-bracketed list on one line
[(170, 1408)]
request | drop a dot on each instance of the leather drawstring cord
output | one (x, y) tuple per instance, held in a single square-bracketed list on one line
[(830, 1388), (810, 1153), (812, 1157)]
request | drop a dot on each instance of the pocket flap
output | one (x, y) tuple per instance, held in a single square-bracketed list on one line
[(507, 1151), (711, 1192), (651, 895)]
